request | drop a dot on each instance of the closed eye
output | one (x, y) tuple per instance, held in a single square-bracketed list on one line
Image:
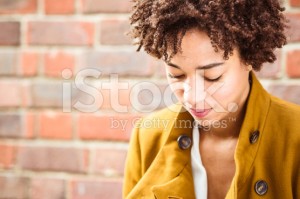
[(175, 76), (212, 80), (182, 76)]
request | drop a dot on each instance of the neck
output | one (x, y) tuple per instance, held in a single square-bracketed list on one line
[(229, 128)]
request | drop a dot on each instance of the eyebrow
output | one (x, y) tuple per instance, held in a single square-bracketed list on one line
[(208, 66)]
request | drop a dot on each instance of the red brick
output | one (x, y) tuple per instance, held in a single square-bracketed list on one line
[(56, 62), (159, 68), (18, 7), (293, 33), (83, 101), (10, 33), (113, 32), (29, 63), (295, 3), (123, 98), (60, 33), (13, 187), (51, 98), (271, 70), (287, 92), (110, 97), (293, 64), (59, 6), (55, 125), (119, 62), (7, 156), (106, 127), (26, 100), (8, 62), (30, 125), (10, 92), (105, 189), (11, 125), (47, 188), (104, 6), (53, 159), (109, 161), (147, 97)]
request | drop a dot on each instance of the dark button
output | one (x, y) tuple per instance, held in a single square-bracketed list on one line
[(184, 142), (254, 137), (261, 187)]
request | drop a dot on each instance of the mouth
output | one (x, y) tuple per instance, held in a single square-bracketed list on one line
[(200, 113)]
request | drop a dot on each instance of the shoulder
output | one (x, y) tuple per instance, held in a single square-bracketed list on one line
[(284, 119), (287, 112)]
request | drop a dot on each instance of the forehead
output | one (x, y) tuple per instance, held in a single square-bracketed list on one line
[(196, 47)]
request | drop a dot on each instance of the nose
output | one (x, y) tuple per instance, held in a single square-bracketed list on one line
[(194, 93)]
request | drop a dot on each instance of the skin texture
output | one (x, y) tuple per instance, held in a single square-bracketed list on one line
[(232, 86), (219, 129)]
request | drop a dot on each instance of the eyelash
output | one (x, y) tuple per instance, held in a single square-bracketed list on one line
[(213, 80), (175, 77), (181, 76)]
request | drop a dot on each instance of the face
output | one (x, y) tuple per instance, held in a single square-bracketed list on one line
[(211, 89)]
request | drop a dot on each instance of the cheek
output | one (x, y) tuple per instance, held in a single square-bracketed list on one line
[(230, 92), (179, 94), (177, 89), (225, 94)]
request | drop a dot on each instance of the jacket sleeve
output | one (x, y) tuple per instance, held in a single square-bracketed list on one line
[(132, 173)]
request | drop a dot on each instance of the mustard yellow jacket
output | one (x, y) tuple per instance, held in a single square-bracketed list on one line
[(268, 151)]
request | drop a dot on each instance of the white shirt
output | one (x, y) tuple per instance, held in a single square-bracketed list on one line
[(199, 172)]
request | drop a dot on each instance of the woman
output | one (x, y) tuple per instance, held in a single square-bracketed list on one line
[(227, 137)]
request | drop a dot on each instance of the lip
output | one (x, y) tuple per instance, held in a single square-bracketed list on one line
[(200, 113)]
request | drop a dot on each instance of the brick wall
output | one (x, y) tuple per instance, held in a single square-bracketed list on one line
[(52, 143)]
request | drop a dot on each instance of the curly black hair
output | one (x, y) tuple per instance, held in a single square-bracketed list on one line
[(255, 27)]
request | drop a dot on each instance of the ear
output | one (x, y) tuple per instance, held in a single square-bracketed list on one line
[(249, 67)]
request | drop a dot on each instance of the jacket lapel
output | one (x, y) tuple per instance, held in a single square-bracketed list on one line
[(175, 162), (170, 174)]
